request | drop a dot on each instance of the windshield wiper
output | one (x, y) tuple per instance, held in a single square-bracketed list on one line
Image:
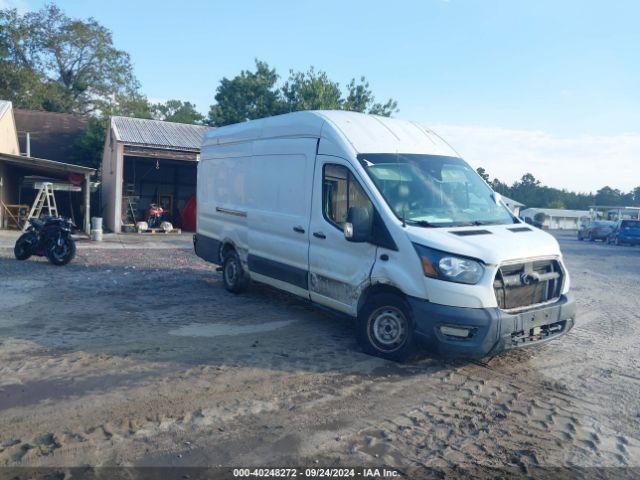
[(420, 223), (477, 223), (466, 224)]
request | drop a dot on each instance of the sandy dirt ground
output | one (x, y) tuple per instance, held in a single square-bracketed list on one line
[(140, 357)]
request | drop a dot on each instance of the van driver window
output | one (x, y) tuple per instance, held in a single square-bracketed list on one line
[(341, 191)]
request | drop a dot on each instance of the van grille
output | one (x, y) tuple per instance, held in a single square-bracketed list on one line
[(524, 285)]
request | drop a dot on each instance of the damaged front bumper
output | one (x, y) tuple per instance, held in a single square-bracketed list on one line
[(479, 332)]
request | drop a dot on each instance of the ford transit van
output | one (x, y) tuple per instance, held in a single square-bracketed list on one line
[(380, 219)]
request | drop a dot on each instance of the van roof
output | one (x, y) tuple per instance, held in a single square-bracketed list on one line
[(365, 133)]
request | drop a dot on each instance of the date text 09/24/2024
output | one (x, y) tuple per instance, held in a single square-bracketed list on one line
[(317, 472)]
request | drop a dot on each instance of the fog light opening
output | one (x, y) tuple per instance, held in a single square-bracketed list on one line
[(458, 332)]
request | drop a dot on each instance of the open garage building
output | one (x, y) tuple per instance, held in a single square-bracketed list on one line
[(37, 149), (24, 176), (148, 162)]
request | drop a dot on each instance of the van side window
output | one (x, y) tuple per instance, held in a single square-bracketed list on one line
[(341, 191)]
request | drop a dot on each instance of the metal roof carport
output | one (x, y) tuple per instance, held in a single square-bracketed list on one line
[(57, 170), (130, 138)]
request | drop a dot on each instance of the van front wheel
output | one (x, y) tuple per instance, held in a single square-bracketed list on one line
[(386, 328), (234, 278)]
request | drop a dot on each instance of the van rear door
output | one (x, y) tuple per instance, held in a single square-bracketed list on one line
[(279, 193), (339, 269)]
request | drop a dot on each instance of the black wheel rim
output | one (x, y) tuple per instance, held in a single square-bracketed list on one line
[(60, 251), (231, 272)]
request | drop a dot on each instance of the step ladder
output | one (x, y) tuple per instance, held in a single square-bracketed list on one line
[(44, 198), (130, 206)]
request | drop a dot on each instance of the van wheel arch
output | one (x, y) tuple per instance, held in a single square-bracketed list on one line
[(226, 248), (377, 289)]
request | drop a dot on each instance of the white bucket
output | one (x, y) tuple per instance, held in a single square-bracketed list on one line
[(96, 235), (96, 223)]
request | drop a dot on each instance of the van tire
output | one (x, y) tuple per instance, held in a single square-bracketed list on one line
[(385, 328), (234, 277)]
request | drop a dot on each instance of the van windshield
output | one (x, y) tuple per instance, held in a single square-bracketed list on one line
[(433, 190)]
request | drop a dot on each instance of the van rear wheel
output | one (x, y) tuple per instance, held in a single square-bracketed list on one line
[(234, 278), (386, 328)]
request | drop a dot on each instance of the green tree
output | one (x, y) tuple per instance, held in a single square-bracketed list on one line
[(87, 150), (128, 104), (501, 188), (540, 217), (177, 111), (527, 190), (255, 94), (52, 62), (627, 198), (247, 96), (555, 204), (483, 173), (24, 88), (609, 196), (360, 98), (311, 90), (532, 193)]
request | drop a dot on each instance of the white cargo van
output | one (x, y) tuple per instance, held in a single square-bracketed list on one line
[(380, 219)]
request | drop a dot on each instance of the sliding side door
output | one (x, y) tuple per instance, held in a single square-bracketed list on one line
[(280, 197)]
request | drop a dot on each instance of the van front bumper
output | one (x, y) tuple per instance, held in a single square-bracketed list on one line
[(441, 328)]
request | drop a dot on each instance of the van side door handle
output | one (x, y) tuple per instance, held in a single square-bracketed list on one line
[(298, 229), (319, 235)]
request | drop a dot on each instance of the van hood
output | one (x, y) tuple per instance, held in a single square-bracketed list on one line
[(493, 244)]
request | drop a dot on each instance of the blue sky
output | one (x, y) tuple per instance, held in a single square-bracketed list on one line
[(557, 83)]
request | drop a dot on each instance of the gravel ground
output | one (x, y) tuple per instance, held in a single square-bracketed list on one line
[(140, 357)]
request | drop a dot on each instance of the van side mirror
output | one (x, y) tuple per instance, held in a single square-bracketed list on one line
[(358, 226)]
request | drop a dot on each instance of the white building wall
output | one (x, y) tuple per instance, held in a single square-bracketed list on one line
[(562, 223), (8, 144), (556, 220), (8, 134)]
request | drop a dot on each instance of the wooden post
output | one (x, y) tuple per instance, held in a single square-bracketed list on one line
[(117, 188), (87, 204)]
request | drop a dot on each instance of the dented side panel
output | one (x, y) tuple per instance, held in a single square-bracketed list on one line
[(339, 270), (342, 292)]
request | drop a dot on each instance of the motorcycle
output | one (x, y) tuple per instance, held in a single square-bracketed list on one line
[(156, 215), (49, 238)]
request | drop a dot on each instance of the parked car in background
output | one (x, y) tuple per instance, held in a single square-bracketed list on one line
[(595, 230), (625, 232)]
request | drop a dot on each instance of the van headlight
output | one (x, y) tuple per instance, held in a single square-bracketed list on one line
[(448, 267)]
